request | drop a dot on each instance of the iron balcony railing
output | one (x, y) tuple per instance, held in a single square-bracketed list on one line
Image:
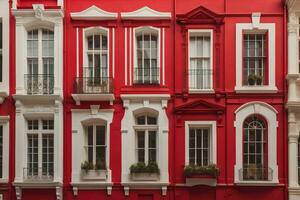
[(255, 174), (146, 76), (200, 79), (93, 85), (36, 84), (37, 174)]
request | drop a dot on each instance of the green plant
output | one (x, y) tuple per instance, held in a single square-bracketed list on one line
[(141, 167), (100, 165), (251, 79), (86, 166), (210, 170), (258, 80)]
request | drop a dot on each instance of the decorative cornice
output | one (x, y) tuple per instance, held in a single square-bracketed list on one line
[(145, 13), (94, 13)]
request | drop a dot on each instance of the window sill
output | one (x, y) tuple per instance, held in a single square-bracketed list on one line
[(200, 91), (256, 89), (198, 180), (256, 183)]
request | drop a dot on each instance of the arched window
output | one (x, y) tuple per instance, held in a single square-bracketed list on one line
[(147, 57), (255, 166), (40, 61), (146, 138)]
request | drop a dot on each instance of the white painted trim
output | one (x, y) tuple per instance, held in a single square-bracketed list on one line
[(4, 122), (145, 96), (255, 26), (200, 32), (270, 114), (212, 125), (130, 56), (77, 52), (4, 19), (163, 56), (78, 140), (145, 13), (94, 13), (113, 52), (126, 57)]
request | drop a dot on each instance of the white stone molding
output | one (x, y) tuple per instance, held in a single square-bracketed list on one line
[(81, 118), (75, 191), (256, 27), (59, 193), (270, 114), (109, 189), (4, 122), (18, 193), (164, 190), (212, 125), (145, 13), (94, 13), (136, 104), (126, 191)]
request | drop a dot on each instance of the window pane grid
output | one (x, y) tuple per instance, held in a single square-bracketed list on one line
[(1, 49), (48, 155), (199, 146)]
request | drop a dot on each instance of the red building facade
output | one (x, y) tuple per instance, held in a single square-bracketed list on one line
[(145, 100)]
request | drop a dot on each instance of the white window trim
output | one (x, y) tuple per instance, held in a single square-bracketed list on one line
[(253, 27), (200, 32), (4, 122), (212, 125), (135, 32), (270, 114), (94, 13), (95, 30), (146, 13)]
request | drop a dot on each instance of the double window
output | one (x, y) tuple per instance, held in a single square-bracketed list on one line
[(255, 68), (96, 144), (200, 60), (146, 70), (199, 146), (40, 62), (146, 138), (40, 149), (255, 166)]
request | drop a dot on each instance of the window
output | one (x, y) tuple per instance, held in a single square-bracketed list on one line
[(255, 68), (96, 144), (1, 151), (200, 60), (146, 70), (1, 49), (199, 146), (255, 166), (146, 138), (40, 61), (40, 149)]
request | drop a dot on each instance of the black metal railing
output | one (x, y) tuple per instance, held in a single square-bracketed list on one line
[(39, 84), (256, 174), (200, 79), (93, 85), (37, 174), (146, 76)]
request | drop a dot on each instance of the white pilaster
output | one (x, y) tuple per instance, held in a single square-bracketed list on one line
[(293, 149)]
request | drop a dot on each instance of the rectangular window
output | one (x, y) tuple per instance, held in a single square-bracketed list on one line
[(40, 150), (199, 147), (146, 146), (255, 56), (96, 144), (1, 49), (200, 61), (1, 151)]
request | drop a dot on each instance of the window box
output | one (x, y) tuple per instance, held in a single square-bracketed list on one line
[(194, 171), (143, 172), (94, 175), (144, 176)]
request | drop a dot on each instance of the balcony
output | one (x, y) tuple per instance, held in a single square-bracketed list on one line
[(39, 84), (200, 80), (146, 76), (255, 174), (37, 175), (93, 88)]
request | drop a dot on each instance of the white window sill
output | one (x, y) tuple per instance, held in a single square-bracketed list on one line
[(3, 180), (257, 183), (256, 89), (201, 91)]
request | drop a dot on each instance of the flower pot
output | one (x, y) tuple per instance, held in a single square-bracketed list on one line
[(94, 175), (144, 176)]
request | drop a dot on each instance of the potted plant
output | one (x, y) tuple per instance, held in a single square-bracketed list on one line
[(201, 171), (92, 172), (142, 172), (251, 79), (259, 80)]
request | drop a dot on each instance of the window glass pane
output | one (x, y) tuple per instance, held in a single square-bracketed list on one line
[(192, 156), (152, 155), (47, 156), (100, 154), (90, 135), (104, 42), (100, 135), (32, 155), (1, 151), (97, 42), (141, 139), (90, 42), (192, 138), (141, 155), (152, 139), (33, 124), (151, 120), (1, 36), (141, 120)]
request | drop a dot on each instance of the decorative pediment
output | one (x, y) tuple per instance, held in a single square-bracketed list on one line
[(200, 15), (200, 106), (145, 13), (94, 13)]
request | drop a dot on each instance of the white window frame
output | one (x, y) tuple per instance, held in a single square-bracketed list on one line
[(270, 115), (256, 27), (40, 132), (202, 32), (93, 31), (212, 125), (136, 32), (1, 50), (4, 122)]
